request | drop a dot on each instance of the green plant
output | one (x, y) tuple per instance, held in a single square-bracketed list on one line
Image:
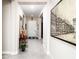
[(23, 46)]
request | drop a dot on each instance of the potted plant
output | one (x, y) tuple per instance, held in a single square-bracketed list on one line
[(23, 47)]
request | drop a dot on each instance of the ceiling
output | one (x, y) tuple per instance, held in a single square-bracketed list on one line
[(32, 10), (32, 0), (32, 7)]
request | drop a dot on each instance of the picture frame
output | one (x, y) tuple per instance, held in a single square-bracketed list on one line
[(61, 28)]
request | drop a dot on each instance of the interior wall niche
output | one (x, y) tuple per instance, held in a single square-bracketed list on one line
[(61, 27), (20, 22)]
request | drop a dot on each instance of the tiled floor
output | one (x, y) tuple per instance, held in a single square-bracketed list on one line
[(34, 51)]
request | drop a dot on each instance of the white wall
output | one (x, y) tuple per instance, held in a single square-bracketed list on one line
[(53, 47), (10, 41), (61, 50), (46, 30), (46, 24), (6, 26)]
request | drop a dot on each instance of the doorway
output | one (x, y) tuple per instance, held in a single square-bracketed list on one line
[(42, 26)]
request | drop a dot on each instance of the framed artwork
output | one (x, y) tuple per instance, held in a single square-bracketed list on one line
[(63, 24)]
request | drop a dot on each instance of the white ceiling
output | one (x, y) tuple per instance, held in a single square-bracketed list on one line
[(32, 10), (32, 0), (32, 7)]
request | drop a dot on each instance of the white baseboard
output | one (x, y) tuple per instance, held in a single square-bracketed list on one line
[(10, 53)]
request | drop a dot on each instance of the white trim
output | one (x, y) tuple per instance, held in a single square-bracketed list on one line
[(10, 53)]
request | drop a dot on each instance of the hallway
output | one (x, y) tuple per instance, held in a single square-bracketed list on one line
[(43, 23), (34, 51)]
